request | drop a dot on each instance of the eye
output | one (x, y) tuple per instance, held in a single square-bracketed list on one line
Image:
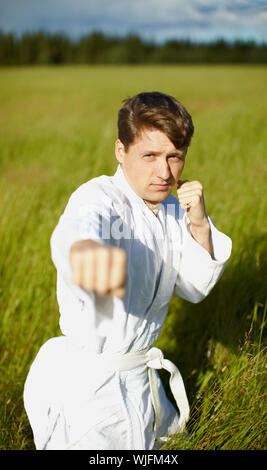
[(176, 157), (149, 156)]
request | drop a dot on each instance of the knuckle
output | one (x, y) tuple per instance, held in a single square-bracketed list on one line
[(74, 255), (120, 254), (119, 292), (89, 255), (102, 291), (84, 284), (103, 253)]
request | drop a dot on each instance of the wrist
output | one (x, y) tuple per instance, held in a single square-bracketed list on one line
[(202, 235), (201, 228)]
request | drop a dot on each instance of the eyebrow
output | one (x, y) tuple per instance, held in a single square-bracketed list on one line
[(155, 152)]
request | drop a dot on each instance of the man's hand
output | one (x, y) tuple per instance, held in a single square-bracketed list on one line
[(191, 198), (99, 268)]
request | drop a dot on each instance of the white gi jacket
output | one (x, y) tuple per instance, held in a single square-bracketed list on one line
[(72, 400)]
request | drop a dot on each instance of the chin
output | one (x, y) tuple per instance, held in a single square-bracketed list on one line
[(157, 198), (162, 195)]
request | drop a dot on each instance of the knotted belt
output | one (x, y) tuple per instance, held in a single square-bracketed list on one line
[(153, 358)]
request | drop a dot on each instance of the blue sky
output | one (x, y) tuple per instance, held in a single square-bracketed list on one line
[(157, 20)]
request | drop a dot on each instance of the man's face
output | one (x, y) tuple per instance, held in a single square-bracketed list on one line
[(152, 165)]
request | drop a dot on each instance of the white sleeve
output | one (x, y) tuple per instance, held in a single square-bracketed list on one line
[(79, 221), (83, 317), (198, 272)]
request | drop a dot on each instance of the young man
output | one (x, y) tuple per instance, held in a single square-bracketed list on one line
[(122, 248)]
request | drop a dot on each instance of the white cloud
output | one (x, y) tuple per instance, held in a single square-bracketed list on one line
[(196, 19)]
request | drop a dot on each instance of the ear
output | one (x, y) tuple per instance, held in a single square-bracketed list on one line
[(119, 151)]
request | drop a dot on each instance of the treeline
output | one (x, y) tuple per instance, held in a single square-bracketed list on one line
[(97, 48)]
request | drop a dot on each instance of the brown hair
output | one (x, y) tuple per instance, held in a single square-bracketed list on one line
[(154, 110)]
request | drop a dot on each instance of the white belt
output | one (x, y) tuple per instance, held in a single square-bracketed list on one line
[(154, 359)]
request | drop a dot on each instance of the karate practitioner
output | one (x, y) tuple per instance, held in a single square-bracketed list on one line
[(122, 248)]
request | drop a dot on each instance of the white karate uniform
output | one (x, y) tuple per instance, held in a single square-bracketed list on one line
[(73, 398)]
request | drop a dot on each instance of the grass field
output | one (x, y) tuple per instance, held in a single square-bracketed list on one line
[(57, 128)]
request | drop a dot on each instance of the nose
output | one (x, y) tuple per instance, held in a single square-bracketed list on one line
[(164, 171)]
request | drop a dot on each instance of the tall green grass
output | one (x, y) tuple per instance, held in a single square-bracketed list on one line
[(57, 130)]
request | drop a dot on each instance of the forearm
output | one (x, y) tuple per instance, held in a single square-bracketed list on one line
[(202, 235), (198, 270)]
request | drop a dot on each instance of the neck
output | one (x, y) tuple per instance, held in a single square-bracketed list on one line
[(153, 206)]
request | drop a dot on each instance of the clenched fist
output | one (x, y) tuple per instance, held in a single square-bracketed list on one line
[(191, 198), (99, 268)]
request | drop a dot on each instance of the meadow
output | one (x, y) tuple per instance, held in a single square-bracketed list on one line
[(57, 130)]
